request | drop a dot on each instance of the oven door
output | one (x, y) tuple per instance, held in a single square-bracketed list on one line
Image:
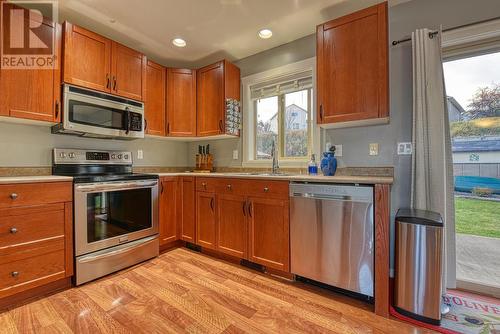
[(94, 113), (112, 213)]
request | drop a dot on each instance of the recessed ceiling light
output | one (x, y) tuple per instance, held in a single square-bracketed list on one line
[(265, 33), (179, 42)]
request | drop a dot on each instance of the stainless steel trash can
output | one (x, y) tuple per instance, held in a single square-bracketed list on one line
[(418, 270)]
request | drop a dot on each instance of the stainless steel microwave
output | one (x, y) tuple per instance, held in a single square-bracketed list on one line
[(90, 113)]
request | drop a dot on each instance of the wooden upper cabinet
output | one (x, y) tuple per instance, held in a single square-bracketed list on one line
[(33, 93), (128, 68), (352, 67), (154, 102), (96, 62), (87, 58), (215, 84), (181, 102), (168, 209)]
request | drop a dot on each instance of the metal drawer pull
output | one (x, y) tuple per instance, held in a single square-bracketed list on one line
[(13, 230), (266, 189), (14, 273), (14, 196), (204, 185), (229, 186)]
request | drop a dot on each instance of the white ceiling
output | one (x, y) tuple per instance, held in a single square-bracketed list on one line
[(213, 29)]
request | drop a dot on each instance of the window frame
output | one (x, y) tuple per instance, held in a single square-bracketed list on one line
[(250, 116)]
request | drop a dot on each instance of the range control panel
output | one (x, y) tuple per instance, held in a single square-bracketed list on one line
[(76, 156)]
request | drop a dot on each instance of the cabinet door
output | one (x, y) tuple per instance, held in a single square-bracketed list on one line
[(181, 102), (188, 207), (168, 210), (269, 236), (210, 100), (205, 220), (352, 67), (154, 102), (129, 72), (31, 93), (232, 229), (87, 58)]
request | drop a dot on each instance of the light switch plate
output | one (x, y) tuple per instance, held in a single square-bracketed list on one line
[(140, 154), (338, 150), (373, 149), (235, 154), (405, 148)]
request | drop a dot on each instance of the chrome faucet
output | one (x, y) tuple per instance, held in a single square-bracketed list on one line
[(276, 166)]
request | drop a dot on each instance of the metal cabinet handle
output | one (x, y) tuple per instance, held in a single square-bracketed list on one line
[(250, 209), (212, 204), (161, 186), (13, 230), (14, 273), (244, 208), (266, 189), (168, 128), (321, 112), (221, 128), (107, 80), (14, 196), (145, 124), (114, 83)]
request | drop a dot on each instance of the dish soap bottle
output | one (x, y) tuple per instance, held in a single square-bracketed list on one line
[(329, 162), (312, 166)]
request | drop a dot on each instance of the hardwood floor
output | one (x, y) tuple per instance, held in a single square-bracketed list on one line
[(183, 291)]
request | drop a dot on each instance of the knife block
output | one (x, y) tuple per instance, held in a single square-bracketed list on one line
[(204, 163)]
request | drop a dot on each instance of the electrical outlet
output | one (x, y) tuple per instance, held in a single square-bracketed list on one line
[(140, 154), (338, 150), (373, 149), (405, 149), (235, 154)]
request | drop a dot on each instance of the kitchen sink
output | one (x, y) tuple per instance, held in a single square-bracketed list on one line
[(260, 174)]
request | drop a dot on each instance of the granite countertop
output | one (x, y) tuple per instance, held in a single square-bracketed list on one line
[(33, 179), (293, 177)]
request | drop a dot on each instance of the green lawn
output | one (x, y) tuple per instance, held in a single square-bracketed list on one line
[(477, 217)]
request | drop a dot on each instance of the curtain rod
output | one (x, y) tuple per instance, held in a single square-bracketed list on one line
[(434, 33)]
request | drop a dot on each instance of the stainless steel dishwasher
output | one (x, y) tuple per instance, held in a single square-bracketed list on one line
[(331, 235)]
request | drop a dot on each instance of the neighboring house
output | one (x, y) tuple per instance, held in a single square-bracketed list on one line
[(476, 156), (455, 110), (296, 119)]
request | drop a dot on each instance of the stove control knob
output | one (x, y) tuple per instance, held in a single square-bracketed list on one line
[(119, 156), (72, 155), (125, 157), (62, 155), (113, 156)]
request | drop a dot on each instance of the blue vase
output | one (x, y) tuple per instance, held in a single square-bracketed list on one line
[(329, 164)]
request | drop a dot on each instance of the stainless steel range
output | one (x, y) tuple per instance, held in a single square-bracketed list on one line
[(115, 211)]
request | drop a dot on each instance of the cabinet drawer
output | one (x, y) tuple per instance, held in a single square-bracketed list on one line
[(23, 194), (267, 189), (31, 224), (206, 184), (30, 272)]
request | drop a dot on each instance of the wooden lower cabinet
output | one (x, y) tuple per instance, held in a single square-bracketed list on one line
[(168, 209), (232, 225), (206, 220), (269, 232), (36, 242), (187, 208)]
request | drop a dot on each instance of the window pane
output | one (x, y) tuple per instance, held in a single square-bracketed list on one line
[(295, 124), (267, 126)]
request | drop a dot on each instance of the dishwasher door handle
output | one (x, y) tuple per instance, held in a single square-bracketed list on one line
[(331, 197)]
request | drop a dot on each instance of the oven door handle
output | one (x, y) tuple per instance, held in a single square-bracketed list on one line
[(115, 186)]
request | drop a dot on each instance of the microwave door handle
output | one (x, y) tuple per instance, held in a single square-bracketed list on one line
[(127, 120)]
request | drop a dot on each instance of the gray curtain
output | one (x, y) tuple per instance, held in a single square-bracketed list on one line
[(432, 167)]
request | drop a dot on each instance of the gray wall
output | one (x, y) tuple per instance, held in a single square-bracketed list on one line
[(403, 19), (30, 146)]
